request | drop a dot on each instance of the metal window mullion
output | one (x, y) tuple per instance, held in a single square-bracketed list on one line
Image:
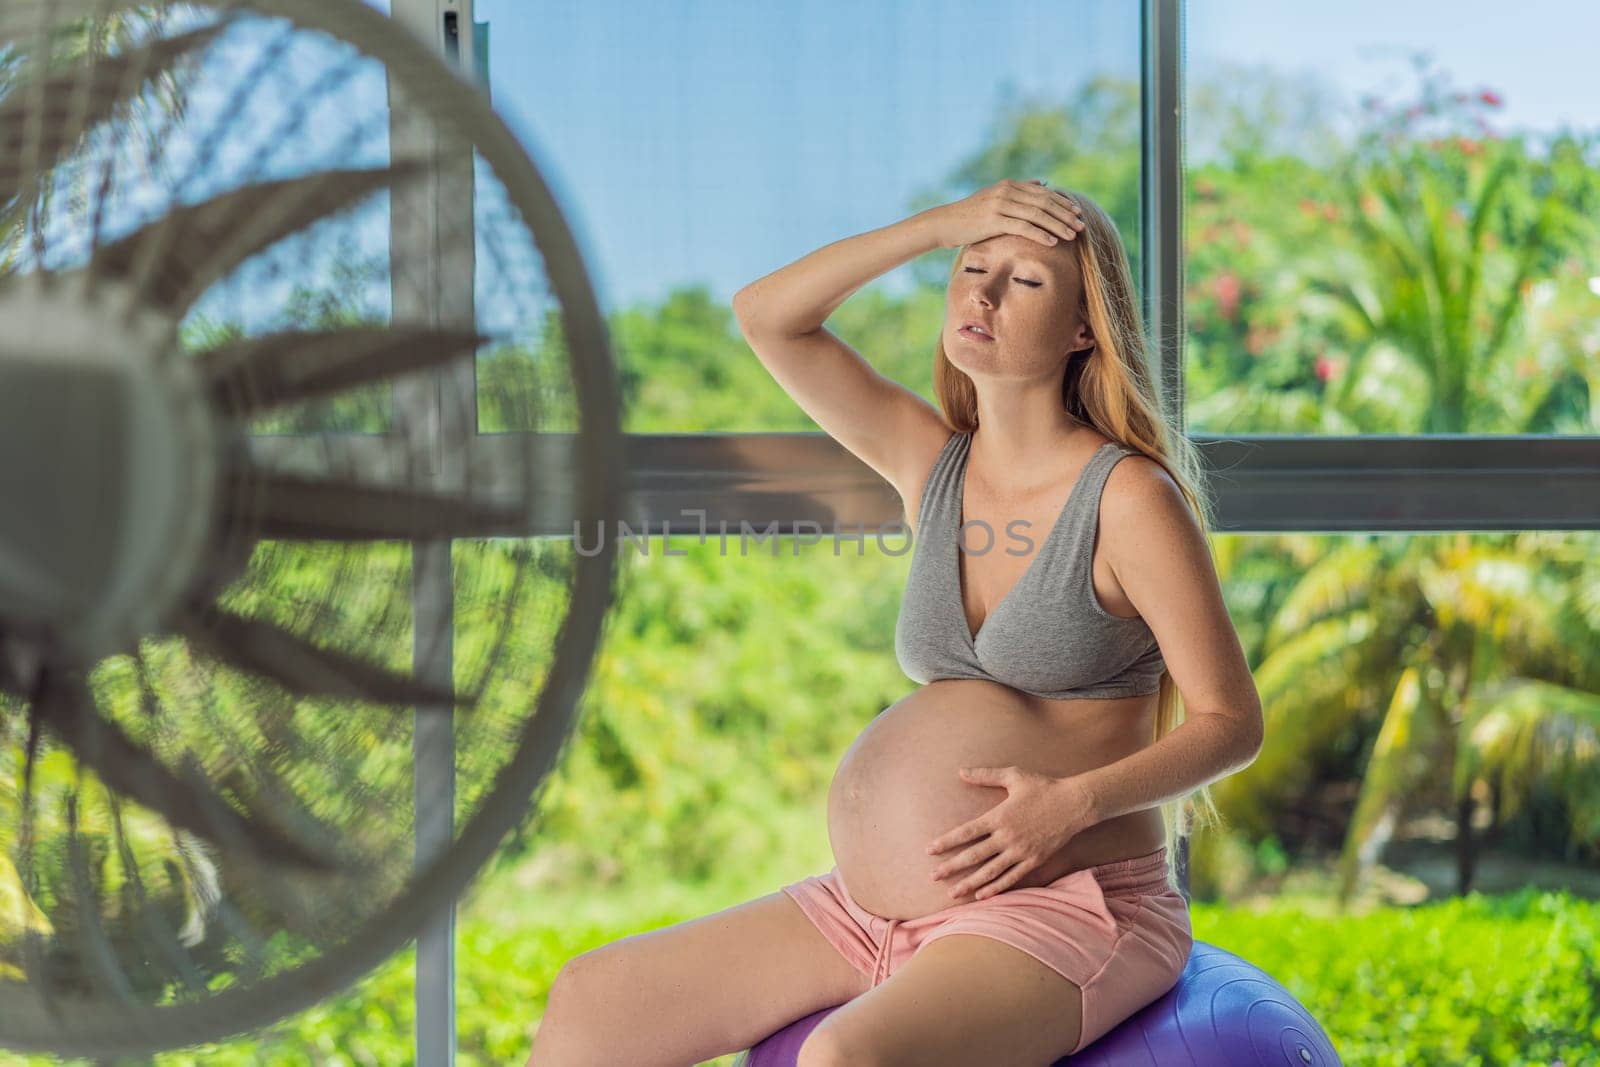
[(432, 282), (1161, 226), (1161, 198), (1262, 483)]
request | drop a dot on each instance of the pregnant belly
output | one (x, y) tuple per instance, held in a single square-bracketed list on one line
[(897, 787)]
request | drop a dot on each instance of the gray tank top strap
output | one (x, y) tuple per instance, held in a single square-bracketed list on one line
[(1083, 507), (938, 493)]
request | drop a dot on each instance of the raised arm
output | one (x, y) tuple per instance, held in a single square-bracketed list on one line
[(887, 426)]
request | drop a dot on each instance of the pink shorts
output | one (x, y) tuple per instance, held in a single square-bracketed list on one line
[(1118, 931)]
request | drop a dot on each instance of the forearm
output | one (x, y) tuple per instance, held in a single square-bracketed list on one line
[(798, 298), (1200, 750)]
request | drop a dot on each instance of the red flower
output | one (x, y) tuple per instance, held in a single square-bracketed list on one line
[(1326, 368), (1227, 289), (1490, 97)]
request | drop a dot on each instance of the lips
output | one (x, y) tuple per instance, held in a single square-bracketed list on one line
[(987, 335)]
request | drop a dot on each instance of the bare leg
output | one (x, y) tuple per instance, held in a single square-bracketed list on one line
[(693, 991)]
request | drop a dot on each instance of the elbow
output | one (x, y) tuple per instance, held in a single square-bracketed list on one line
[(1253, 735), (742, 304), (752, 316)]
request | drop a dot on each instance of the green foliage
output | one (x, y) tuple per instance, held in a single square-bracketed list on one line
[(1469, 981), (727, 687), (1442, 662)]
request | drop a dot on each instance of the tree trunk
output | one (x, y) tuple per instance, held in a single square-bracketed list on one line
[(1466, 854)]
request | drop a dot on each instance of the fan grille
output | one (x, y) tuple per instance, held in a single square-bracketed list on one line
[(216, 824)]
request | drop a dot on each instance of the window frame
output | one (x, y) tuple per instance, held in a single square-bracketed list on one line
[(687, 482)]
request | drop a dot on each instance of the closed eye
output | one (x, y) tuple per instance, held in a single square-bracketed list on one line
[(1024, 281)]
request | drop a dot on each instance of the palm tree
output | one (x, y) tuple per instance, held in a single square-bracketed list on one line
[(1497, 697), (1465, 653)]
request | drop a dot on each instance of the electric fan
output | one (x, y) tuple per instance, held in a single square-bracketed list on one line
[(254, 389)]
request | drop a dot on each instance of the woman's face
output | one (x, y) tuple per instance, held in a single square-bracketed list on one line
[(1028, 295)]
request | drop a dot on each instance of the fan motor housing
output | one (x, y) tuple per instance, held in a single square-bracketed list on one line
[(109, 472)]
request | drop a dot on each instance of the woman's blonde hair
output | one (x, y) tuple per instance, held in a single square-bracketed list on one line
[(1109, 387)]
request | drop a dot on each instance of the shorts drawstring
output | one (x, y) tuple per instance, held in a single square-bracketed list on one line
[(881, 963)]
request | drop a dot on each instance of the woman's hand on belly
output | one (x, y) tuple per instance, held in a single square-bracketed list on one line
[(1014, 838), (898, 789)]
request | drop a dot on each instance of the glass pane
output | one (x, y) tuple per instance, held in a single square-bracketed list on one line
[(1392, 218), (696, 147)]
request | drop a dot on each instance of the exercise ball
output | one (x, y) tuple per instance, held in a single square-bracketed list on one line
[(1223, 1012)]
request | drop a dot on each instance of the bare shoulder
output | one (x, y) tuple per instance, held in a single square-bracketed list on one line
[(1141, 498), (1163, 564), (1138, 484)]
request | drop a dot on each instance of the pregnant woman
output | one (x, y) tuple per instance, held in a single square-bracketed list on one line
[(1002, 893)]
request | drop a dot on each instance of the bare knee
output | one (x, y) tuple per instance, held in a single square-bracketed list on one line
[(570, 1011), (585, 984), (823, 1047)]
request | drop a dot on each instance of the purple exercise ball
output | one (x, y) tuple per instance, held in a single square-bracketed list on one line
[(1223, 1012)]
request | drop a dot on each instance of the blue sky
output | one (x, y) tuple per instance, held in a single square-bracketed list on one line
[(714, 141), (711, 142)]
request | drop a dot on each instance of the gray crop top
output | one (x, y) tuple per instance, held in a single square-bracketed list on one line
[(1049, 636)]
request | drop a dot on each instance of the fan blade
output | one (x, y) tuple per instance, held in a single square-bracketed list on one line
[(268, 791), (254, 375), (20, 662), (63, 117), (33, 956), (65, 704), (136, 902), (301, 667), (196, 244), (294, 507), (99, 955)]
